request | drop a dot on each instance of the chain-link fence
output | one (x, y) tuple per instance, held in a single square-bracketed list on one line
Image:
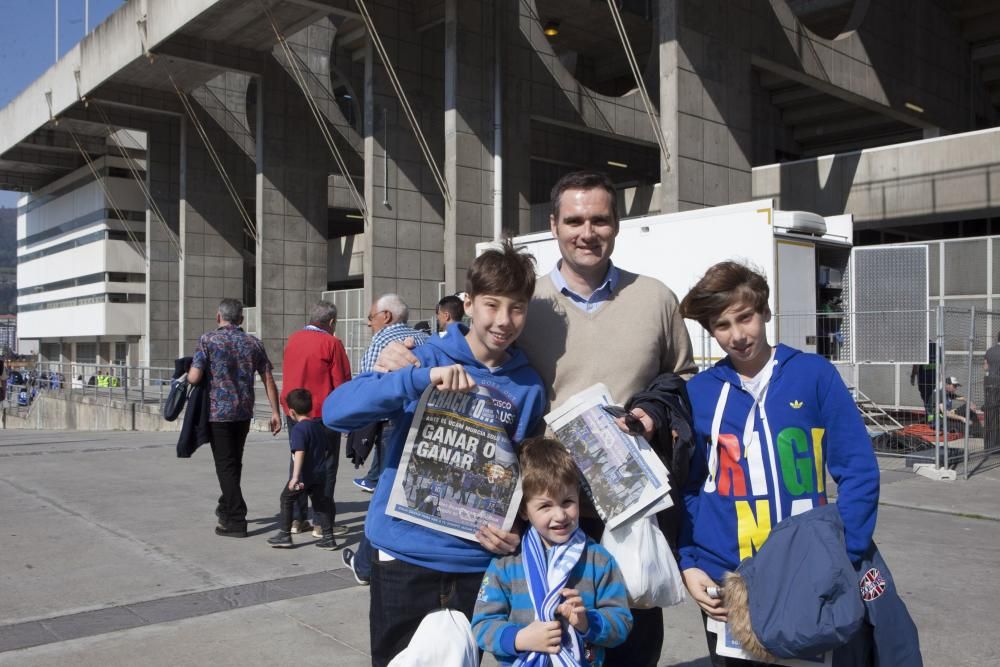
[(910, 408)]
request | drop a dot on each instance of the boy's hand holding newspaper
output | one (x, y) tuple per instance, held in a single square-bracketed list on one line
[(452, 378)]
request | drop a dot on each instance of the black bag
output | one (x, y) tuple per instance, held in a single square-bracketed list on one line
[(173, 406), (361, 442)]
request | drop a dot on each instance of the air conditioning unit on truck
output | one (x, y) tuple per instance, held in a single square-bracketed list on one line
[(816, 278)]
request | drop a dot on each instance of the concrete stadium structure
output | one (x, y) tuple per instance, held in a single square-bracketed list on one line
[(879, 108)]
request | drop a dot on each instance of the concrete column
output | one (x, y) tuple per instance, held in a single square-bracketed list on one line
[(468, 120), (162, 286), (705, 103), (293, 185), (215, 240), (404, 241)]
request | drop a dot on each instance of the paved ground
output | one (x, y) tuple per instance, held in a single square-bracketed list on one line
[(108, 557)]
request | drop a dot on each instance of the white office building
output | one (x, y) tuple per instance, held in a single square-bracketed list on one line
[(81, 272)]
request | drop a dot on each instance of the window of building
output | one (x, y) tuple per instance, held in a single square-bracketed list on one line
[(86, 353), (50, 351)]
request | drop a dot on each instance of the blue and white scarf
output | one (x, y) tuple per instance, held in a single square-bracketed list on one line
[(545, 581)]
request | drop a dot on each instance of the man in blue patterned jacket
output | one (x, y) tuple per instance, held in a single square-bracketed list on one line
[(228, 358)]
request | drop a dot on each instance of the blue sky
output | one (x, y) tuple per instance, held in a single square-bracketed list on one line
[(27, 43)]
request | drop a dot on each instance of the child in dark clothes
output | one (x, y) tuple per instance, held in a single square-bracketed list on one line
[(309, 465)]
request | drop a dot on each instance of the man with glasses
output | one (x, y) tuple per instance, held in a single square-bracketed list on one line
[(387, 318)]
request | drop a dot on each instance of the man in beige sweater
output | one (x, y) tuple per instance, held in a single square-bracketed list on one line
[(590, 321)]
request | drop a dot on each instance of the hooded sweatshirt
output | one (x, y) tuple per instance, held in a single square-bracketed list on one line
[(770, 459), (375, 396)]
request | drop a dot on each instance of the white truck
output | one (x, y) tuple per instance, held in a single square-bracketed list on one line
[(803, 255)]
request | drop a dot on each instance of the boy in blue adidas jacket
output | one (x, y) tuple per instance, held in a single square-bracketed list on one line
[(769, 422), (562, 597), (415, 569)]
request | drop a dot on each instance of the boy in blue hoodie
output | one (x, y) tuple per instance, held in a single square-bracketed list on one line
[(417, 570), (769, 422)]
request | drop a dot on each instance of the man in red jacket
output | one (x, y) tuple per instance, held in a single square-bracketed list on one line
[(315, 359)]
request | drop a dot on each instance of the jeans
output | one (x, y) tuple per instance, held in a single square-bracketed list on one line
[(228, 440), (300, 508), (363, 558), (321, 505), (403, 593), (375, 469)]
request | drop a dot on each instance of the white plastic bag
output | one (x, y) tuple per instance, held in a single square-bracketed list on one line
[(644, 557), (443, 639)]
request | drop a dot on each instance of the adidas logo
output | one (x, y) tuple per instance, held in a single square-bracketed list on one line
[(796, 404)]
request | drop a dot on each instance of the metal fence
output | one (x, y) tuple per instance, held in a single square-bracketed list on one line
[(110, 382), (352, 323), (909, 409)]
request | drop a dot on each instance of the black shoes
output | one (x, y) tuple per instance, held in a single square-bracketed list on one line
[(231, 530), (282, 540), (327, 542)]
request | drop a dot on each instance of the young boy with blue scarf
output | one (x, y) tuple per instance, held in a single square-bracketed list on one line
[(562, 598)]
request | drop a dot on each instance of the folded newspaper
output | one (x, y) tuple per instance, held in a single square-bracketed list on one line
[(459, 468), (623, 475)]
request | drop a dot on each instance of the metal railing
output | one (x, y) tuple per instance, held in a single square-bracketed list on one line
[(110, 382), (907, 408)]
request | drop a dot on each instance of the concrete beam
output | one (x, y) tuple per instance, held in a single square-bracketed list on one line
[(838, 92), (337, 7), (821, 110), (136, 98), (120, 40), (991, 74), (18, 182), (985, 52), (591, 130), (851, 127), (796, 95), (48, 139), (213, 55), (52, 159), (929, 180), (983, 28)]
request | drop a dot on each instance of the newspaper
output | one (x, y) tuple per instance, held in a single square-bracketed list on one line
[(623, 475), (458, 469), (730, 648)]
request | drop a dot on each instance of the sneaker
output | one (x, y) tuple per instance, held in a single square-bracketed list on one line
[(327, 543), (364, 485), (302, 526), (347, 555), (282, 540), (337, 530)]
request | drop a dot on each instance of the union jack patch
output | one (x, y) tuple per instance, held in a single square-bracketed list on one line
[(872, 585)]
